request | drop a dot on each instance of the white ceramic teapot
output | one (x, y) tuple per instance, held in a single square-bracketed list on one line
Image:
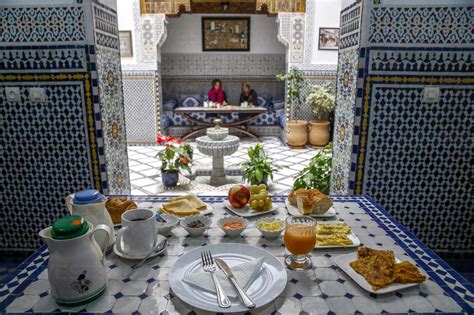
[(76, 268), (90, 205)]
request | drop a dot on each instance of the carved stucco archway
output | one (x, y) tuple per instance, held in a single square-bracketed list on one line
[(294, 32)]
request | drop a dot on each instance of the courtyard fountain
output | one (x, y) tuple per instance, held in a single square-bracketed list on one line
[(217, 143)]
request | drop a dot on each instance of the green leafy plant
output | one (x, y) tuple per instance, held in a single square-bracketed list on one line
[(321, 100), (318, 173), (175, 156), (295, 80), (258, 166)]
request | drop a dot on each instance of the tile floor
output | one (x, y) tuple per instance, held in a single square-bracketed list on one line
[(146, 179)]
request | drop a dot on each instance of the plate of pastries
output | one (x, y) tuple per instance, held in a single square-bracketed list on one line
[(310, 201), (118, 205), (379, 271), (335, 234), (184, 206)]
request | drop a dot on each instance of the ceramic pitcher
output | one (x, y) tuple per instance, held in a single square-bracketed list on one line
[(90, 205), (76, 268)]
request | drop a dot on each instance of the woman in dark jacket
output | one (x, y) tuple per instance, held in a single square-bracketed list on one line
[(248, 95)]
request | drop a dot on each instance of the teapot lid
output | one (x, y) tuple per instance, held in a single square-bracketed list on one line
[(68, 227), (87, 196)]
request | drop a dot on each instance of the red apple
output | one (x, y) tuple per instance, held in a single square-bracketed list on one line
[(239, 196)]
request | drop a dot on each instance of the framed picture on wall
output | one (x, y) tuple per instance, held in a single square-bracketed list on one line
[(328, 38), (226, 33), (126, 44)]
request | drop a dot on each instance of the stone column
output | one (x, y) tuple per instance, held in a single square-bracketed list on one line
[(218, 173)]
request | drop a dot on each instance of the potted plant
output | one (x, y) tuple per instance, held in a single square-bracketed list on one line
[(322, 101), (318, 173), (297, 133), (174, 157), (259, 167)]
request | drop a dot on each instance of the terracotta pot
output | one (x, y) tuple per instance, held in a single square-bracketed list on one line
[(297, 133), (319, 132)]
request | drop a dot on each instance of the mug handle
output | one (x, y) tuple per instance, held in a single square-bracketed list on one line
[(69, 203), (108, 230), (118, 238)]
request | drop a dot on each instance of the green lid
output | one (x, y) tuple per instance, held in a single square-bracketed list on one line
[(70, 226)]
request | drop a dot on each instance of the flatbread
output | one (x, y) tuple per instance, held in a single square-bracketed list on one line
[(333, 239), (377, 268), (193, 200), (180, 208)]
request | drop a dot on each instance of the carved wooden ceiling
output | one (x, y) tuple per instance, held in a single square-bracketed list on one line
[(176, 7)]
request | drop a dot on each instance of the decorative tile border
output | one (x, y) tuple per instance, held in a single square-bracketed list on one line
[(350, 25)]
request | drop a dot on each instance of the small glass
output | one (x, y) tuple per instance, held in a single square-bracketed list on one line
[(299, 239)]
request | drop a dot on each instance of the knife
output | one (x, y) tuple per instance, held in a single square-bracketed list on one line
[(225, 268)]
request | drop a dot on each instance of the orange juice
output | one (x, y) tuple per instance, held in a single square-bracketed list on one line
[(300, 239)]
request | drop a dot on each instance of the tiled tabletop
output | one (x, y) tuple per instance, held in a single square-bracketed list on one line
[(323, 289)]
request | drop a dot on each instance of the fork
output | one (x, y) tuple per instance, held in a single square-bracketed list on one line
[(209, 266)]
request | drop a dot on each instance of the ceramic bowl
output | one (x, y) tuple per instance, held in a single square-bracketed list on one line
[(164, 228), (232, 232), (270, 234), (195, 231)]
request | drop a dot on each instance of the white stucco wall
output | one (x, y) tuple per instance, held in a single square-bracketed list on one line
[(184, 35), (326, 14), (126, 23)]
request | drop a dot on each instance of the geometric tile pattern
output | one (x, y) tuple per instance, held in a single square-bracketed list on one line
[(324, 287), (44, 157), (419, 161), (145, 167), (113, 119), (42, 24), (344, 120), (111, 99), (141, 110), (421, 25), (350, 24)]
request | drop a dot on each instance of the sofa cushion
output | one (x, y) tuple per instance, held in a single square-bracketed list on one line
[(266, 119), (169, 104), (189, 100), (278, 104), (264, 101)]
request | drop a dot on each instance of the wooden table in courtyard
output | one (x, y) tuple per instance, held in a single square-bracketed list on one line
[(246, 115), (323, 289)]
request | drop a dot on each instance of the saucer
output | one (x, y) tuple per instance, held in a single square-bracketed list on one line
[(141, 256)]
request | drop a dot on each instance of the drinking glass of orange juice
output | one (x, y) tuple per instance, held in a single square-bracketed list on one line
[(299, 239)]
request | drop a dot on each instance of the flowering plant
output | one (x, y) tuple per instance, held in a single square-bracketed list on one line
[(175, 155), (322, 101)]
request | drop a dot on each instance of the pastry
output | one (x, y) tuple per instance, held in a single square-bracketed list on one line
[(406, 272), (333, 239), (310, 201), (333, 228), (118, 205)]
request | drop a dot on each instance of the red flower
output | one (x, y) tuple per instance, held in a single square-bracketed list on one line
[(160, 139), (184, 160), (179, 140)]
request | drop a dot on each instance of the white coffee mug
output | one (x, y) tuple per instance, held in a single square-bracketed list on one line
[(139, 232)]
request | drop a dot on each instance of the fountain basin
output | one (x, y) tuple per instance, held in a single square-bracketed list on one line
[(217, 133), (211, 147)]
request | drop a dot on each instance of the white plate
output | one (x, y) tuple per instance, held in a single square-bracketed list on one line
[(294, 211), (139, 257), (355, 240), (343, 263), (263, 290), (247, 212), (208, 210)]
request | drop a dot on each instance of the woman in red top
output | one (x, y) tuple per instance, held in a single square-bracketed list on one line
[(216, 93)]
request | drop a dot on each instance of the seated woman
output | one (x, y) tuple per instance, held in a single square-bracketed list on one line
[(248, 95), (216, 93)]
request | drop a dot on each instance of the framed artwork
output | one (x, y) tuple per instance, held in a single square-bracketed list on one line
[(126, 44), (328, 38), (226, 34)]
